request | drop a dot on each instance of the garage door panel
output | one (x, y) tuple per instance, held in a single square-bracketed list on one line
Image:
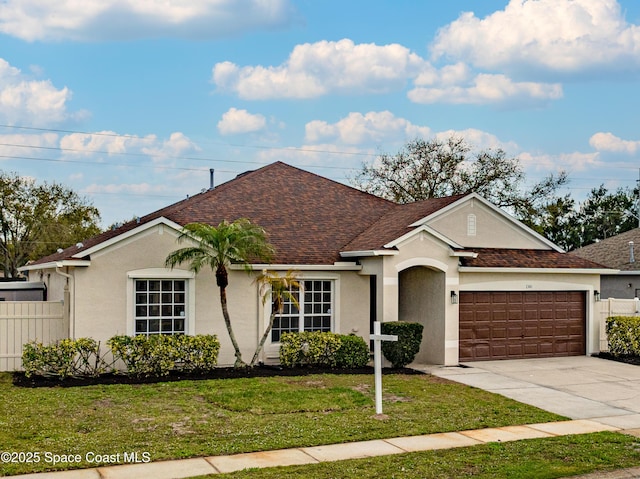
[(524, 324)]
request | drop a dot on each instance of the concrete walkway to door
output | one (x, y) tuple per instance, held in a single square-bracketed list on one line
[(579, 387)]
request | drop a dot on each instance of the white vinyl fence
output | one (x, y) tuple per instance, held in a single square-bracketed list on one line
[(614, 307), (25, 321)]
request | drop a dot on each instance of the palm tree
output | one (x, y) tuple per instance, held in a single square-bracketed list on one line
[(278, 289), (238, 242)]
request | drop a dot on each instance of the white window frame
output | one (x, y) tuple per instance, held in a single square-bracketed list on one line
[(271, 348), (162, 274)]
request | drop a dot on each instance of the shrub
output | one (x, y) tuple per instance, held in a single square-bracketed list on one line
[(308, 348), (67, 357), (404, 350), (352, 353), (323, 349), (623, 333), (158, 355), (196, 353)]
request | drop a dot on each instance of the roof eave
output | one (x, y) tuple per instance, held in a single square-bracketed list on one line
[(56, 264), (369, 253), (116, 239), (495, 269), (338, 266)]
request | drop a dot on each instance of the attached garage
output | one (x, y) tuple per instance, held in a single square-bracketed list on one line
[(521, 324)]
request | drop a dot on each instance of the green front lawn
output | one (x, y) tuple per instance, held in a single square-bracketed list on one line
[(197, 418)]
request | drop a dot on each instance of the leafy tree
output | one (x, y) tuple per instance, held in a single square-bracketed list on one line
[(278, 289), (238, 242), (558, 221), (425, 169), (37, 219), (605, 214), (601, 215)]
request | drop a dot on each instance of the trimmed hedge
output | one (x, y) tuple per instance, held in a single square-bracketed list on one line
[(143, 356), (158, 355), (352, 353), (404, 350), (623, 333), (323, 349), (65, 358)]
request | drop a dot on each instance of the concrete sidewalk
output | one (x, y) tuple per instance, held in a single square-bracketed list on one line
[(184, 468)]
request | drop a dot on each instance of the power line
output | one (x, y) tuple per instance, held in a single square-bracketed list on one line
[(235, 145)]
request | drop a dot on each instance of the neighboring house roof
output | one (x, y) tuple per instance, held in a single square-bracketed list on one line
[(310, 220), (524, 258), (614, 252)]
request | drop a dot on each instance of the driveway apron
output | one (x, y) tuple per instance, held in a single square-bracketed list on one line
[(578, 387)]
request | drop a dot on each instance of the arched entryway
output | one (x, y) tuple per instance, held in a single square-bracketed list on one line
[(421, 299)]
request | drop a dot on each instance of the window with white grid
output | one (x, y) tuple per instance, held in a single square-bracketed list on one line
[(160, 306), (313, 313)]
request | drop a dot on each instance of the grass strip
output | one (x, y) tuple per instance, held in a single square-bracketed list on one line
[(535, 458)]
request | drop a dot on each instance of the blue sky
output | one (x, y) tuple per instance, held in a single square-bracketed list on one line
[(130, 102)]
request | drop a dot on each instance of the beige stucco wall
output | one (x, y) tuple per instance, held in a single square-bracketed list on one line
[(103, 293), (422, 300), (492, 229), (425, 251)]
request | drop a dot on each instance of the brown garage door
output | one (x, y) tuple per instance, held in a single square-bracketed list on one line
[(521, 324)]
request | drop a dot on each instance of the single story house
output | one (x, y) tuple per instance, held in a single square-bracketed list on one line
[(617, 253), (483, 285)]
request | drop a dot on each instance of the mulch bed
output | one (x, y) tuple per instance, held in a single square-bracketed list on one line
[(19, 379), (635, 360)]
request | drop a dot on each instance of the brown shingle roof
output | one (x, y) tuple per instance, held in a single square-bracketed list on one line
[(614, 252), (395, 223), (308, 218), (525, 258)]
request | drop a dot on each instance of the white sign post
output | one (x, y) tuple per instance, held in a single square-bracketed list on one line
[(377, 361)]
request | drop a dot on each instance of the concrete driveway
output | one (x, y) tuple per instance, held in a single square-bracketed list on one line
[(579, 387)]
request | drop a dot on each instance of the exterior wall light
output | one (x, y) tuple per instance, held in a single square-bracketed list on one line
[(596, 295), (454, 297)]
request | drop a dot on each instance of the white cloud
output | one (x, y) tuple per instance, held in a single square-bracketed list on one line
[(609, 142), (33, 20), (485, 89), (576, 161), (372, 127), (315, 69), (480, 140), (323, 68), (236, 121), (93, 145), (177, 144), (104, 142), (551, 35), (27, 101)]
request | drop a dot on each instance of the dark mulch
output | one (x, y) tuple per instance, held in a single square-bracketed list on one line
[(19, 379), (635, 360)]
